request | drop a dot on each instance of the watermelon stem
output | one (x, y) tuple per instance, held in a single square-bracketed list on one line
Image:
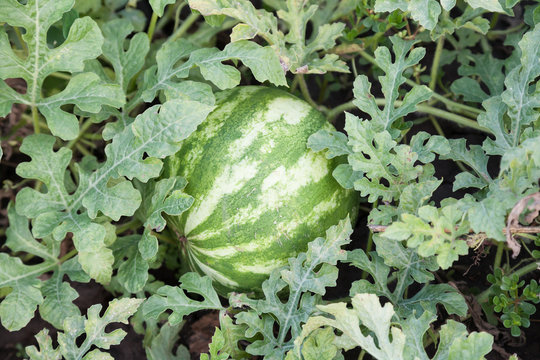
[(305, 91)]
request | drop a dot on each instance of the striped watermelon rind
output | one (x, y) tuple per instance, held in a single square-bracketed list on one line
[(260, 194)]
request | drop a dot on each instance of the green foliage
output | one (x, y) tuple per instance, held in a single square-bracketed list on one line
[(107, 102), (83, 42), (175, 298), (25, 289), (303, 287), (295, 53), (218, 341), (163, 345), (516, 307), (433, 15), (383, 339), (434, 232), (92, 327), (410, 268)]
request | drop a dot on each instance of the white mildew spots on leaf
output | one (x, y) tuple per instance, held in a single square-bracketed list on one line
[(284, 183), (231, 179), (261, 268), (214, 274), (292, 110)]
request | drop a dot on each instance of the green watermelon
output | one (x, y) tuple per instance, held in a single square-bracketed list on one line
[(260, 194)]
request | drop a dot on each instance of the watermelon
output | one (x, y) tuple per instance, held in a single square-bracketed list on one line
[(260, 195)]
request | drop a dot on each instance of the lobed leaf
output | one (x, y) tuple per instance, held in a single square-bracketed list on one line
[(384, 340), (297, 281), (175, 298), (295, 52), (163, 345), (83, 42), (390, 82), (102, 188)]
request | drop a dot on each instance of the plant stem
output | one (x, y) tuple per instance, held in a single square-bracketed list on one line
[(450, 104), (169, 12), (496, 33), (186, 24), (164, 238), (368, 249), (60, 75), (458, 119), (68, 256), (82, 149), (353, 66), (498, 255), (131, 225), (435, 63), (35, 119), (86, 124), (305, 91), (152, 26), (177, 16), (294, 85), (362, 354)]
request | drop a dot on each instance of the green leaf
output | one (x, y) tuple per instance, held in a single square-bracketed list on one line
[(426, 12), (433, 232), (233, 334), (490, 5), (366, 311), (82, 43), (405, 260), (93, 327), (261, 60), (46, 350), (175, 298), (521, 100), (379, 157), (102, 188), (164, 196), (319, 345), (296, 280), (334, 141), (296, 53), (58, 303), (475, 158), (410, 268), (426, 300), (25, 294), (390, 82), (452, 336), (475, 346), (163, 345), (489, 215), (346, 176), (18, 307), (127, 61), (215, 347), (485, 66), (132, 267), (159, 5)]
